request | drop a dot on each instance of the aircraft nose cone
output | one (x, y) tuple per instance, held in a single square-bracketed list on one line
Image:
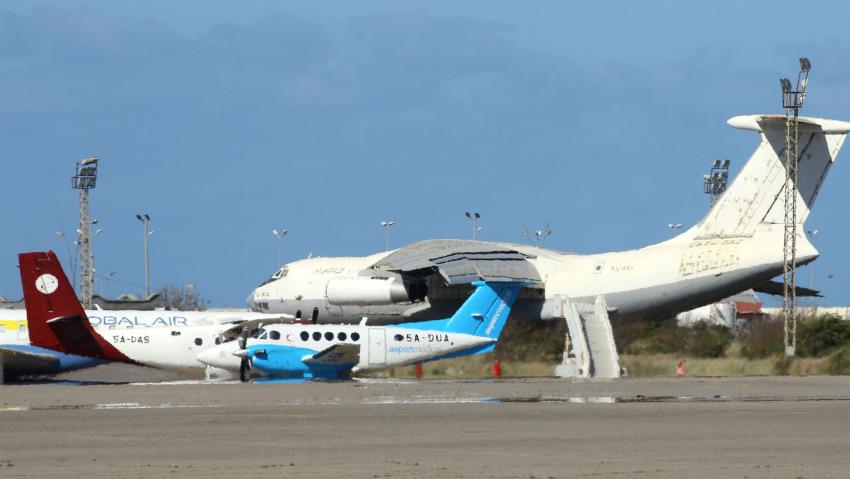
[(251, 302), (221, 356)]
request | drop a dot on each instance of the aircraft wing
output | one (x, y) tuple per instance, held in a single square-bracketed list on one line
[(340, 354), (461, 261), (250, 325), (19, 358)]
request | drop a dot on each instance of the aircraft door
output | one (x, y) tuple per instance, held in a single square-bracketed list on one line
[(377, 347)]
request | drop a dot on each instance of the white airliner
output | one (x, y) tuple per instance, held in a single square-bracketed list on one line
[(738, 245), (57, 322), (335, 351)]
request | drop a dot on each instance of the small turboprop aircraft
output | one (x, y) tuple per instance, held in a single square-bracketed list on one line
[(335, 351), (57, 322)]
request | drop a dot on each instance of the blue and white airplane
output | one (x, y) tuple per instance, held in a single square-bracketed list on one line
[(335, 351)]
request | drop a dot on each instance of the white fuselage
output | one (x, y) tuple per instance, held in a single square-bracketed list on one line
[(678, 274), (164, 348)]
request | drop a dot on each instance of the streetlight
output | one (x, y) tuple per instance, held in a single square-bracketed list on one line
[(279, 235), (146, 219), (61, 234), (673, 227), (91, 258), (386, 224), (474, 217)]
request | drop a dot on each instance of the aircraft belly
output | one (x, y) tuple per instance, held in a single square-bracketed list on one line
[(687, 293)]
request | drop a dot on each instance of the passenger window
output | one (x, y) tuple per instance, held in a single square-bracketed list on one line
[(398, 337), (317, 336), (329, 336), (175, 333), (355, 336), (274, 335), (217, 340), (341, 336), (199, 341), (305, 335)]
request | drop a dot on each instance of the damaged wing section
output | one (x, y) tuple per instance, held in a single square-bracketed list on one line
[(461, 262)]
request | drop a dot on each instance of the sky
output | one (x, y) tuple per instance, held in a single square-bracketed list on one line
[(225, 120)]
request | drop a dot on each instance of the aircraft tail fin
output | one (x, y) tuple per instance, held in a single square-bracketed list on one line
[(757, 195), (56, 319), (486, 310)]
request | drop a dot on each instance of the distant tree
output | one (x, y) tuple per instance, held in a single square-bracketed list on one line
[(182, 298)]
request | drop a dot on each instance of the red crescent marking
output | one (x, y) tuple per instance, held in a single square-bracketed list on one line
[(288, 338)]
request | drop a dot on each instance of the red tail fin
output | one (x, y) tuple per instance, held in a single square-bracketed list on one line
[(55, 318)]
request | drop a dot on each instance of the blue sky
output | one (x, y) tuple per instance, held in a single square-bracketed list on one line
[(223, 120)]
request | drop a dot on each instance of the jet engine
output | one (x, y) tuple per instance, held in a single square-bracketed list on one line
[(366, 291)]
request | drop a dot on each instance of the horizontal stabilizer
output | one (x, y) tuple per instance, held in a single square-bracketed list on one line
[(778, 289), (15, 358), (341, 354)]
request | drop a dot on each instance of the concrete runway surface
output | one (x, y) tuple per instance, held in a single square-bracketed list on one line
[(743, 427)]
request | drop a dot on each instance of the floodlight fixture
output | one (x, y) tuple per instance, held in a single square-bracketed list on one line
[(474, 217), (386, 225), (279, 234)]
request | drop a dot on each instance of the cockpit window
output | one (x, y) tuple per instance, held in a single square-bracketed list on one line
[(281, 273), (264, 335), (258, 332)]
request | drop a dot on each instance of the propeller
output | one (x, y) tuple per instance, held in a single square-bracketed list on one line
[(245, 363), (245, 369)]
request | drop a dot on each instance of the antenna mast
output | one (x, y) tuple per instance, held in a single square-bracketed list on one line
[(792, 101)]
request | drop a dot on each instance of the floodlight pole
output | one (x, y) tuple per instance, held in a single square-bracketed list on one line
[(84, 179), (792, 101), (387, 224), (474, 217), (674, 227), (715, 182), (279, 234), (146, 219)]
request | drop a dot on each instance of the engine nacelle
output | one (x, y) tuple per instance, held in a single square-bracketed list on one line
[(366, 291)]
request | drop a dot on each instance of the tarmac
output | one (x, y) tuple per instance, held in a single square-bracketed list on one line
[(684, 427)]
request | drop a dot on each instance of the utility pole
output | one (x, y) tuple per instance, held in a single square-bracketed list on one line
[(146, 219), (84, 179), (474, 217), (386, 224), (792, 101), (279, 234)]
